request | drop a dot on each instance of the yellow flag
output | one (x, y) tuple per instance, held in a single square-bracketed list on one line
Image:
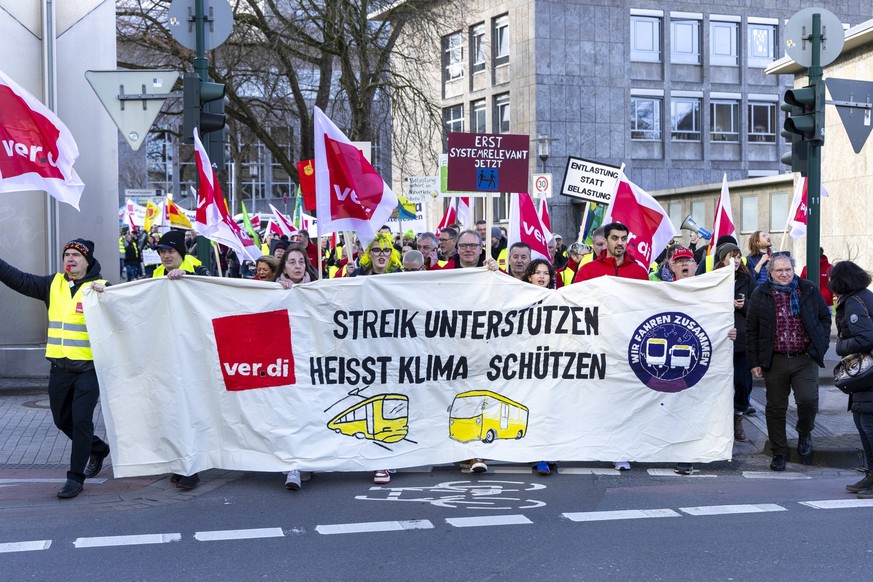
[(152, 214), (177, 217)]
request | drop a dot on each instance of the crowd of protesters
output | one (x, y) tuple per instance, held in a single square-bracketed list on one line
[(781, 322)]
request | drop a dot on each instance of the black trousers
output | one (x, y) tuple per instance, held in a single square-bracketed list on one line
[(73, 397), (787, 374)]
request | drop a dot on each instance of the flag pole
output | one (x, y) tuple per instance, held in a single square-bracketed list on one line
[(217, 258), (489, 223), (790, 206)]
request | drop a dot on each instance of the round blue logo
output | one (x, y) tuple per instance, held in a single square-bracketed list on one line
[(669, 352)]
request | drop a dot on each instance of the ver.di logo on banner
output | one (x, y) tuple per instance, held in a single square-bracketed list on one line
[(249, 357)]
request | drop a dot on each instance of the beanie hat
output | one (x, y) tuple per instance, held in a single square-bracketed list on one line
[(409, 234), (174, 239), (86, 247), (281, 245), (725, 238), (726, 249), (496, 232), (682, 253)]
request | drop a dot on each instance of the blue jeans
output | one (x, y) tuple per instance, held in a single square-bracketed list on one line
[(864, 422), (742, 383)]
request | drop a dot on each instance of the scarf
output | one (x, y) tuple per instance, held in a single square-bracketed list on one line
[(794, 298)]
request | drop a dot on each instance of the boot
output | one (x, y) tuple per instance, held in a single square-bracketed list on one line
[(739, 433), (865, 483)]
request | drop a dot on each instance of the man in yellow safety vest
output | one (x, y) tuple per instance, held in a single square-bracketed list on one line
[(73, 389)]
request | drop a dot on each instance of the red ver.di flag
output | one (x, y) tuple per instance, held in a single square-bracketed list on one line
[(350, 194), (797, 212), (525, 225), (38, 151), (723, 225), (212, 219), (650, 228)]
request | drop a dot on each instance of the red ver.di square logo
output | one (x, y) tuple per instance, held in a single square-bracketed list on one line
[(254, 350)]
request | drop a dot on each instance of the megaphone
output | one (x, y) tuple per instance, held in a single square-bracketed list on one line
[(690, 224)]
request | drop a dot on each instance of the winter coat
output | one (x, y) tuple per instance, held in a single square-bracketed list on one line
[(745, 285), (855, 331), (761, 324)]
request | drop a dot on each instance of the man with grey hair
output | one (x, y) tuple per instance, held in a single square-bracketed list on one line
[(788, 328), (428, 244), (413, 261)]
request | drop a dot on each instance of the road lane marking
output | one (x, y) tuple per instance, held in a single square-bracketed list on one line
[(672, 473), (588, 471), (774, 475), (731, 509), (134, 540), (239, 534), (620, 514), (489, 520), (373, 526), (25, 546), (838, 503)]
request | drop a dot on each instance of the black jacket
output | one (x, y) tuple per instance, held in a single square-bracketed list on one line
[(855, 328), (761, 324), (743, 285)]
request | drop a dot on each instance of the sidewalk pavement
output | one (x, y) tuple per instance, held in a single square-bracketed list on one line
[(34, 455)]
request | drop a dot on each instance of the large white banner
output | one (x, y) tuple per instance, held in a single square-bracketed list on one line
[(411, 369)]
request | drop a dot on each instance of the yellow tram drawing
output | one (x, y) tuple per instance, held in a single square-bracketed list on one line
[(382, 418), (486, 416)]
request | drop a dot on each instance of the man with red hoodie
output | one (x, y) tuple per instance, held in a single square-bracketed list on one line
[(614, 260)]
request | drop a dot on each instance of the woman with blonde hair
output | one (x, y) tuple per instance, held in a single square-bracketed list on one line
[(379, 257)]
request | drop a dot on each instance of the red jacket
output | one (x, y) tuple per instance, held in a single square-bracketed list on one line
[(605, 265), (824, 275)]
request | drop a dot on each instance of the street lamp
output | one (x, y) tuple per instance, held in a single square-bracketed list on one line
[(544, 144)]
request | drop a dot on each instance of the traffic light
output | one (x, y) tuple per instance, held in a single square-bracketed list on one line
[(798, 157), (203, 103), (806, 106)]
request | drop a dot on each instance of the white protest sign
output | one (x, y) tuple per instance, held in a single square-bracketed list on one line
[(591, 181), (423, 188)]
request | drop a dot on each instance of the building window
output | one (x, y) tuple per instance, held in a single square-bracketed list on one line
[(501, 113), (685, 119), (453, 56), (762, 122), (748, 214), (723, 43), (778, 211), (646, 39), (646, 118), (674, 210), (477, 48), (685, 41), (762, 44), (453, 119), (724, 122), (500, 40), (698, 212), (501, 207), (477, 116)]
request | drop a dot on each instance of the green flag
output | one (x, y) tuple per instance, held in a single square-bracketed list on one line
[(247, 224), (595, 220)]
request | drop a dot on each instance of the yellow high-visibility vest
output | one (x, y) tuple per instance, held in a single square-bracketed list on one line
[(67, 334), (188, 264)]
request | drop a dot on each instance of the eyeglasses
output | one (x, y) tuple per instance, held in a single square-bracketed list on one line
[(468, 246), (380, 251), (444, 239)]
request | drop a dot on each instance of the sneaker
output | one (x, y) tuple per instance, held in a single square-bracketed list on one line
[(684, 468), (174, 478), (865, 483), (778, 463), (381, 477), (478, 466), (750, 411), (543, 468), (292, 481), (865, 494), (622, 466), (188, 482)]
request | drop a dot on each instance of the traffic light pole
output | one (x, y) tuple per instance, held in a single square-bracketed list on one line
[(813, 202), (201, 67)]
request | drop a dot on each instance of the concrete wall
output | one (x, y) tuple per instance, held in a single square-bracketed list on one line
[(85, 40)]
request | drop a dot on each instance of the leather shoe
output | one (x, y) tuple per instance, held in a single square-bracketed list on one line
[(95, 464), (778, 463), (70, 489), (804, 446)]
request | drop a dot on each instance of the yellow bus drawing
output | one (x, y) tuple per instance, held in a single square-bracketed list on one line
[(486, 416), (382, 418), (656, 351)]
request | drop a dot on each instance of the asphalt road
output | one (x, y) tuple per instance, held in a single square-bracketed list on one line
[(724, 523)]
